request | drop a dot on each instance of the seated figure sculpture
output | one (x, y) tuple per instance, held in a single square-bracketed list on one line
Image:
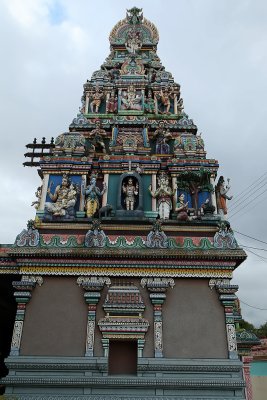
[(63, 199), (162, 135), (182, 208), (130, 100)]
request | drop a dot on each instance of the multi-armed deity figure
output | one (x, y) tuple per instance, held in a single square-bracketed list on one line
[(63, 199), (96, 102), (149, 104), (162, 135), (92, 193), (164, 195), (130, 100), (131, 191), (97, 136), (221, 196), (112, 103)]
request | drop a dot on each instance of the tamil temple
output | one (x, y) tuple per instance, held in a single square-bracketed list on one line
[(120, 288)]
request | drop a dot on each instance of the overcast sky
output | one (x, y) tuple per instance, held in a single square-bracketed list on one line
[(215, 49)]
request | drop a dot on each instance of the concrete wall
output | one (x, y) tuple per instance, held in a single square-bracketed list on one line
[(55, 320), (258, 372), (193, 321)]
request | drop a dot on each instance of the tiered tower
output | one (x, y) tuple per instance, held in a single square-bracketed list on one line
[(122, 281)]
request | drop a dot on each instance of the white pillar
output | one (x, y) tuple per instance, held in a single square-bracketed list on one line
[(174, 188), (156, 104), (86, 111), (213, 196), (82, 195), (44, 192), (105, 195), (154, 187)]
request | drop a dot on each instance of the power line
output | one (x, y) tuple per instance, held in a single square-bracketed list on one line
[(256, 308), (254, 248), (245, 190), (250, 237), (238, 204), (261, 257)]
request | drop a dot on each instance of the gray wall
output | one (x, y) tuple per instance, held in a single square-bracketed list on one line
[(193, 321), (55, 320)]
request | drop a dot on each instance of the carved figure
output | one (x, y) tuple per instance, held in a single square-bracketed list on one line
[(64, 198), (180, 106), (97, 135), (164, 195), (38, 194), (93, 192), (97, 99), (131, 192), (221, 196), (112, 103), (134, 16), (165, 100), (134, 41), (130, 100), (182, 208), (149, 104), (162, 135)]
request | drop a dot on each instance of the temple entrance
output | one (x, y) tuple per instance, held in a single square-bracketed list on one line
[(122, 357)]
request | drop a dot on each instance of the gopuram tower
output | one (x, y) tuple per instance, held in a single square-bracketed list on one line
[(121, 286)]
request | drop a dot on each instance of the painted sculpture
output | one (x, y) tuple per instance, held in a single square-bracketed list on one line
[(63, 199), (162, 136), (130, 191), (163, 194), (92, 193), (182, 208), (221, 196)]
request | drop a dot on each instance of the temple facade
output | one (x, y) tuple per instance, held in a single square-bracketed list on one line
[(120, 288)]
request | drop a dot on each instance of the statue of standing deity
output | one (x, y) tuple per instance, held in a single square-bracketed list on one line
[(182, 208), (131, 191), (221, 196), (162, 135), (149, 104), (97, 99), (92, 193), (97, 136), (164, 195), (112, 103)]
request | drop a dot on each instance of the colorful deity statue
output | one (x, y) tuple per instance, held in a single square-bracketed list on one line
[(221, 196), (97, 99), (97, 136), (162, 135), (182, 208), (165, 98), (112, 103), (38, 195), (180, 106), (131, 191), (164, 195), (92, 193), (149, 104), (130, 100), (134, 41), (63, 199)]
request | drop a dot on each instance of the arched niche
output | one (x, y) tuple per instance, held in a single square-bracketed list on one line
[(125, 208)]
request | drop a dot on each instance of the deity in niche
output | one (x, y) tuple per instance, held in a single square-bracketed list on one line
[(97, 99), (165, 98), (182, 208), (149, 104), (130, 100), (97, 136), (92, 193), (63, 199), (162, 135), (134, 41), (221, 196), (164, 195), (112, 103), (130, 191)]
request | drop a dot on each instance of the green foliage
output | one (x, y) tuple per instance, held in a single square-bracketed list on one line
[(260, 332)]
